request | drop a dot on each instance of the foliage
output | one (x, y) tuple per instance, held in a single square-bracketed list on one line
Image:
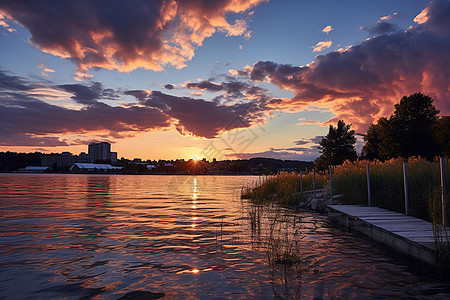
[(379, 141), (337, 146), (442, 134), (408, 132), (10, 161), (413, 123)]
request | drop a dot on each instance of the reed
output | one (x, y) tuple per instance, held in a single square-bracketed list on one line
[(387, 190), (280, 187)]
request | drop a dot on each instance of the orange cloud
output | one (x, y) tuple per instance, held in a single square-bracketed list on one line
[(322, 46), (147, 34), (327, 29)]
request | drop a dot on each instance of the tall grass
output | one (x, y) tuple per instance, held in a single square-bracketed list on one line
[(386, 181), (280, 187)]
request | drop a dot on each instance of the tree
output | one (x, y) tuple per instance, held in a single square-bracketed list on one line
[(337, 146), (442, 134), (379, 141), (412, 125), (409, 131)]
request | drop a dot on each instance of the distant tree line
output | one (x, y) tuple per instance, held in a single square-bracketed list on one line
[(12, 160), (414, 129)]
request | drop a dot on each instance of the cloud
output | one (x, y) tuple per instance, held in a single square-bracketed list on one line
[(200, 117), (125, 35), (14, 83), (309, 122), (89, 95), (317, 139), (361, 83), (381, 28), (322, 46), (301, 142), (169, 86), (45, 70), (4, 24), (435, 18), (232, 90), (204, 85), (304, 155), (27, 120), (327, 29), (392, 17)]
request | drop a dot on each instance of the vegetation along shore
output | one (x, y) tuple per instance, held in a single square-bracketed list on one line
[(404, 156)]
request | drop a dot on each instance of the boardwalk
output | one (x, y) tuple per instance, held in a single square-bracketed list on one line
[(405, 234)]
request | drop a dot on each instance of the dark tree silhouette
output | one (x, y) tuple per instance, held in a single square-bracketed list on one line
[(442, 134), (337, 146), (409, 131), (379, 141), (412, 124)]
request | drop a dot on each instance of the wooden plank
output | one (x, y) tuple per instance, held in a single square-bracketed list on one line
[(392, 228)]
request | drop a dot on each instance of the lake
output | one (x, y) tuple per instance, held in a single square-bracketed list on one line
[(65, 236)]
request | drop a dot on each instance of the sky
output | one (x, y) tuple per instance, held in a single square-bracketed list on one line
[(224, 79)]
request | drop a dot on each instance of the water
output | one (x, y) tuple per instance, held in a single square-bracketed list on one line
[(104, 236)]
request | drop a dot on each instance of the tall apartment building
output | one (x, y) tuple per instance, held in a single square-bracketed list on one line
[(101, 151)]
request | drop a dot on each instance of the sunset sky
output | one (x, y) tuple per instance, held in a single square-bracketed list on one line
[(228, 79)]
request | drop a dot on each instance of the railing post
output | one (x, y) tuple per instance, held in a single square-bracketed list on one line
[(301, 181), (369, 202), (331, 185), (443, 184), (314, 183), (405, 183)]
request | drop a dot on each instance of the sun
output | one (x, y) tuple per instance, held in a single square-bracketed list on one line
[(195, 158)]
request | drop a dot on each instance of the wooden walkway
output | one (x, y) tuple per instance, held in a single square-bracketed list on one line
[(406, 234)]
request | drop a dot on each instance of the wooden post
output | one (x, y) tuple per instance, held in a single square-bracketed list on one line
[(331, 185), (301, 181), (314, 183), (369, 202), (443, 184), (405, 183)]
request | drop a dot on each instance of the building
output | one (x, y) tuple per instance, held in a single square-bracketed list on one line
[(100, 151), (84, 158), (59, 161), (33, 169), (88, 168)]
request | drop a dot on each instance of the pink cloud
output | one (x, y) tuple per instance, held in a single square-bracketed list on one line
[(125, 35), (363, 82)]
